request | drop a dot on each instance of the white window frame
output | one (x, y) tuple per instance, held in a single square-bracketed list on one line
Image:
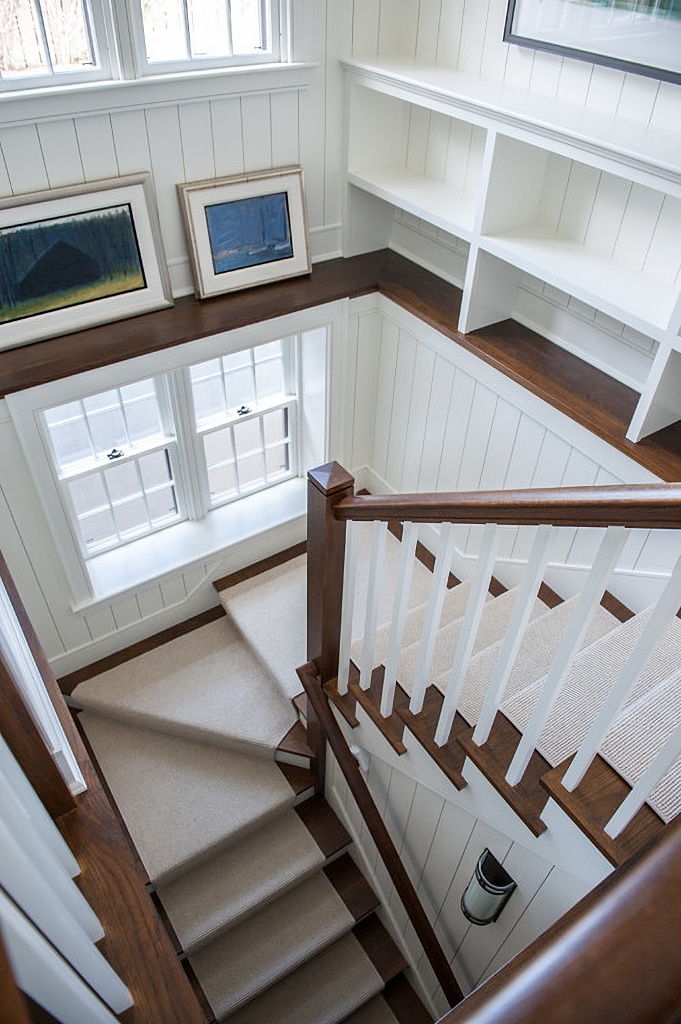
[(118, 42), (92, 582)]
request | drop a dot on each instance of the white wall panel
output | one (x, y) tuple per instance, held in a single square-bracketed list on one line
[(96, 146), (129, 129), (61, 154), (227, 130), (24, 159), (196, 140)]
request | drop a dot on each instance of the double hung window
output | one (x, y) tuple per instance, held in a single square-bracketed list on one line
[(128, 461), (45, 42)]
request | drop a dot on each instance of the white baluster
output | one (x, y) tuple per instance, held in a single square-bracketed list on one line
[(663, 613), (348, 605), (44, 975), (40, 819), (436, 598), (410, 534), (604, 563), (656, 770), (379, 536), (21, 881), (469, 629), (520, 616), (44, 861)]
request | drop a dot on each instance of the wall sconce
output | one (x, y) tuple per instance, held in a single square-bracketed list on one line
[(488, 891)]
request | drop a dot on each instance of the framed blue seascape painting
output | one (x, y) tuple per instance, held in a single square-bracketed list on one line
[(245, 230)]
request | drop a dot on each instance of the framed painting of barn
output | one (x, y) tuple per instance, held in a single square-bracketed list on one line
[(75, 257), (245, 230)]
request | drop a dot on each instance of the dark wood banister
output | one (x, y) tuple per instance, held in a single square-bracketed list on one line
[(635, 505), (318, 705), (614, 956)]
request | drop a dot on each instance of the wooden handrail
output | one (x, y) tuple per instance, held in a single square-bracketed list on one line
[(613, 957), (308, 675), (634, 505)]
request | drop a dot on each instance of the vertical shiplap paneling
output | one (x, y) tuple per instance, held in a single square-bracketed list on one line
[(637, 228), (366, 19), (554, 188), (580, 471), (637, 100), (424, 818), (100, 623), (446, 850), (24, 159), (459, 155), (404, 378), (557, 894), (227, 130), (605, 90), (546, 69), (5, 183), (285, 129), (421, 399), (494, 50), (611, 203), (575, 78), (476, 951), (165, 148), (417, 146), (366, 363), (477, 438), (501, 445), (126, 612), (659, 552), (456, 431), (663, 259), (339, 19), (172, 590), (473, 36), (61, 154), (131, 141), (97, 147), (449, 41), (196, 141), (430, 13), (666, 112), (408, 22), (549, 470), (313, 127), (437, 412), (438, 146), (150, 601), (519, 65), (521, 468), (257, 132), (387, 369), (580, 197)]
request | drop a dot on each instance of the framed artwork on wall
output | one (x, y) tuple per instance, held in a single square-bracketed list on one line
[(75, 257), (640, 36), (245, 230)]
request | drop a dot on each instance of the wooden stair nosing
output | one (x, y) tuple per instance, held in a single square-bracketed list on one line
[(324, 826), (295, 742), (300, 704), (299, 779), (591, 805), (262, 566), (346, 703), (392, 726), (450, 757), (380, 947), (352, 887), (528, 798)]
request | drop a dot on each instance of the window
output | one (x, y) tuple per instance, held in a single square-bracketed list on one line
[(115, 458), (244, 415), (45, 42), (124, 459)]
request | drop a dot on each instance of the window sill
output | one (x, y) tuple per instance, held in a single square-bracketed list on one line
[(142, 562), (30, 105)]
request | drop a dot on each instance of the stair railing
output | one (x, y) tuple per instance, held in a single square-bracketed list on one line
[(334, 510)]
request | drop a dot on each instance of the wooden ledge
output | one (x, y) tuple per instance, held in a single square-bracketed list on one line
[(391, 727), (569, 384), (449, 757), (594, 802)]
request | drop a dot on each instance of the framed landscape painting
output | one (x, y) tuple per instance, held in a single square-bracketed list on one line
[(245, 230), (640, 36), (75, 257)]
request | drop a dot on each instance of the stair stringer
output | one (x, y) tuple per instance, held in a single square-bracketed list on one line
[(440, 833)]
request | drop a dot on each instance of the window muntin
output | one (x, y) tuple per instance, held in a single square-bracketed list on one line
[(115, 458), (49, 41), (245, 412), (200, 30)]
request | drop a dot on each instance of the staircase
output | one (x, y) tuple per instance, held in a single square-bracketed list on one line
[(250, 869)]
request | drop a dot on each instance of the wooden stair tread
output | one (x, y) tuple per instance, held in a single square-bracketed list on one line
[(528, 798), (592, 804), (346, 703), (324, 826), (383, 952), (295, 742), (404, 1002), (300, 704), (392, 727), (450, 757), (352, 886), (299, 779)]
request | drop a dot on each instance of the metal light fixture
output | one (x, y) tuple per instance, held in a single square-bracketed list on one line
[(488, 891)]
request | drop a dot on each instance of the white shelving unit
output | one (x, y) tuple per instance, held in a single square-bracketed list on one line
[(590, 205)]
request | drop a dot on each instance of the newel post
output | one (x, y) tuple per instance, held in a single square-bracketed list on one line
[(326, 486)]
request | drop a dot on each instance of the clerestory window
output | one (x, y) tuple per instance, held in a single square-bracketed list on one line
[(51, 42)]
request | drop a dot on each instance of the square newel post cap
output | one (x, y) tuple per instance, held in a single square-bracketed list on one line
[(331, 478)]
